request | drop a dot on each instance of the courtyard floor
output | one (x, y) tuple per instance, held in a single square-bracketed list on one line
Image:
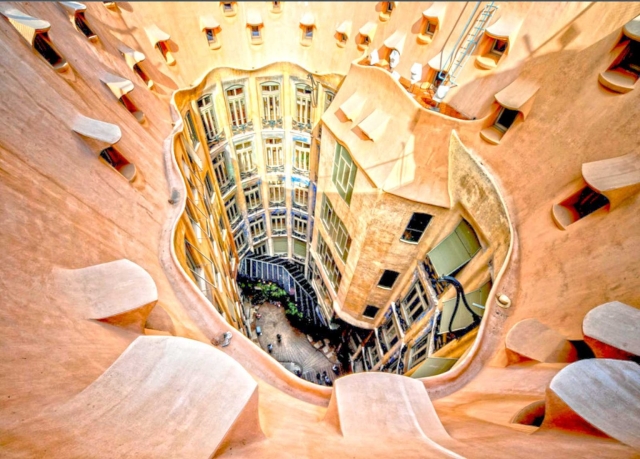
[(295, 350)]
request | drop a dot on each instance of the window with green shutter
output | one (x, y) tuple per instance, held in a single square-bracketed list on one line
[(455, 251), (300, 248), (463, 318), (280, 245), (344, 173)]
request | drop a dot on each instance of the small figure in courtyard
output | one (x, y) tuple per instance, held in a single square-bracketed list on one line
[(335, 369), (270, 347), (279, 337), (318, 376)]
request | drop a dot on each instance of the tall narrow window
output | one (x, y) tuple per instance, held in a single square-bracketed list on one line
[(416, 227), (208, 116), (414, 304), (244, 152), (328, 98), (257, 228), (81, 23), (300, 196), (390, 333), (276, 7), (229, 8), (191, 128), (577, 206), (240, 240), (114, 159), (235, 99), (253, 197), (232, 210), (419, 350), (43, 45), (429, 28), (220, 170), (303, 105), (212, 40), (255, 33), (276, 192), (271, 103), (498, 47), (301, 158), (308, 32), (299, 226), (328, 263), (261, 249), (143, 75), (336, 229), (278, 224), (209, 184), (344, 173), (274, 154)]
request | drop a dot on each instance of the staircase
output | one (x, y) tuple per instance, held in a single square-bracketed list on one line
[(459, 55), (288, 276)]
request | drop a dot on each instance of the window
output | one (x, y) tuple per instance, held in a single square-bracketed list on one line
[(191, 128), (81, 23), (280, 246), (419, 350), (43, 45), (498, 47), (235, 99), (163, 47), (336, 229), (343, 38), (300, 196), (244, 152), (301, 157), (577, 206), (387, 7), (623, 73), (114, 159), (388, 279), (220, 170), (429, 28), (390, 333), (141, 73), (505, 119), (414, 304), (255, 32), (276, 7), (253, 197), (370, 312), (278, 224), (257, 228), (452, 254), (240, 240), (209, 184), (229, 8), (271, 101), (211, 37), (328, 98), (299, 226), (208, 116), (463, 319), (299, 250), (344, 173), (232, 210), (329, 265), (414, 230), (276, 192), (303, 104), (439, 78), (127, 103), (275, 155), (261, 249), (308, 32)]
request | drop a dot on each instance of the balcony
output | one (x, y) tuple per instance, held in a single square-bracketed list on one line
[(272, 124), (248, 174)]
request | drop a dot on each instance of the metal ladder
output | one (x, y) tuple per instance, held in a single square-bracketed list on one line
[(462, 53)]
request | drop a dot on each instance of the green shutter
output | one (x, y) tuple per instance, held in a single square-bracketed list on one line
[(433, 366), (463, 317), (300, 248), (449, 255), (280, 245), (468, 238)]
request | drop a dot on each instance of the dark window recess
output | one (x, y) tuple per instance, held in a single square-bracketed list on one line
[(370, 312), (388, 279), (41, 44), (506, 119), (416, 227), (440, 77), (588, 202), (499, 47), (631, 60), (81, 24), (141, 74)]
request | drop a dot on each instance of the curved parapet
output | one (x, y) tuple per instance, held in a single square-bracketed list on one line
[(163, 397), (582, 395), (384, 405), (533, 340), (119, 292), (612, 330)]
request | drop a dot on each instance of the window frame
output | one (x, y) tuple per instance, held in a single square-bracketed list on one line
[(342, 158)]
